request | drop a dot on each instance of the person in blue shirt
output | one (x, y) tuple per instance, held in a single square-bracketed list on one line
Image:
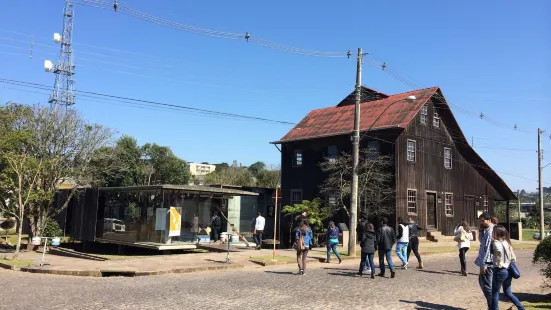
[(303, 237), (332, 241)]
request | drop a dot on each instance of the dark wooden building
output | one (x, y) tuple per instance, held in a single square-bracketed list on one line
[(438, 178)]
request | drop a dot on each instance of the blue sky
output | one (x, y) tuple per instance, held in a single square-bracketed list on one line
[(489, 57)]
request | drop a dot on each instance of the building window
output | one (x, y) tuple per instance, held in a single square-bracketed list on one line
[(332, 153), (297, 159), (296, 196), (449, 204), (485, 200), (332, 198), (412, 201), (411, 150), (424, 110), (447, 158), (436, 119)]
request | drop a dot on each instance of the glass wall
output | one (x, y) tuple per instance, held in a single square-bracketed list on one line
[(143, 216)]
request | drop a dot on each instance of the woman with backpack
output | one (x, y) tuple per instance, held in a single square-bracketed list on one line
[(369, 246), (332, 241), (463, 237), (304, 236), (504, 260)]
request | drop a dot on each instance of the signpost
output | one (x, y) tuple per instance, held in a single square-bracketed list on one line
[(275, 197)]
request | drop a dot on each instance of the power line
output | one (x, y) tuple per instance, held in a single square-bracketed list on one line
[(401, 78), (247, 37), (156, 105)]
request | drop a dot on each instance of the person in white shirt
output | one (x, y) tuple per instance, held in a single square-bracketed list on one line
[(463, 236), (259, 224), (403, 240)]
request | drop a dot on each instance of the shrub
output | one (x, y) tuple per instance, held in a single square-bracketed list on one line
[(542, 256), (52, 229)]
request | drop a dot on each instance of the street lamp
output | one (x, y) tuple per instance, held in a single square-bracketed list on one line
[(355, 160)]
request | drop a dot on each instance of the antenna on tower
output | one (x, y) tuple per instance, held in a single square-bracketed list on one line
[(64, 86)]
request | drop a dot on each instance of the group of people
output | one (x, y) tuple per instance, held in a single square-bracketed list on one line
[(495, 257)]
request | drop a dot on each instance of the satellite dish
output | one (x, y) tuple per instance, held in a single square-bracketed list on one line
[(48, 66), (57, 37)]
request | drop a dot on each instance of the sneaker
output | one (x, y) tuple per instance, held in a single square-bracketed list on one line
[(392, 274), (368, 270), (382, 275), (301, 272), (405, 266), (340, 261), (372, 276)]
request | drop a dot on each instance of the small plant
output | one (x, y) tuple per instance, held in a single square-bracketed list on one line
[(7, 225), (52, 229), (542, 256)]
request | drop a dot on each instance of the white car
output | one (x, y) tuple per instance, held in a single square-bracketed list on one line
[(537, 235), (115, 225)]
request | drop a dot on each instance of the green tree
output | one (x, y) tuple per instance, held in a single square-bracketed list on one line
[(268, 178), (317, 210), (235, 176), (257, 167)]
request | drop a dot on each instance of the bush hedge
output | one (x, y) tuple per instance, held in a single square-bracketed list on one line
[(542, 256)]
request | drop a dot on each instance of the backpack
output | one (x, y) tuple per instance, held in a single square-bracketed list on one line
[(299, 243)]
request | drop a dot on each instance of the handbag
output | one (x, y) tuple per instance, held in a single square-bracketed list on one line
[(513, 269)]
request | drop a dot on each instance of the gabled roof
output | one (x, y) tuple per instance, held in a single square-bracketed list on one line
[(368, 94), (339, 120)]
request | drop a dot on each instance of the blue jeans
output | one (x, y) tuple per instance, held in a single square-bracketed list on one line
[(502, 278), (485, 282), (367, 259), (401, 250), (333, 247), (388, 255)]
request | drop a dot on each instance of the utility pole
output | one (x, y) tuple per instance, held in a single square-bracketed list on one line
[(540, 181), (355, 160), (518, 197)]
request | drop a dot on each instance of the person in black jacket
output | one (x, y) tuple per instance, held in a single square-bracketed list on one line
[(413, 244), (369, 246), (385, 240)]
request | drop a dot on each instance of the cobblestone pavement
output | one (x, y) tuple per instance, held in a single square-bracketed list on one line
[(324, 286)]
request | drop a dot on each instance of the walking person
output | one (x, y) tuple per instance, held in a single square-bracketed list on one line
[(362, 228), (332, 241), (413, 244), (369, 246), (259, 224), (403, 241), (503, 256), (463, 236), (216, 224), (385, 241), (304, 236), (484, 260)]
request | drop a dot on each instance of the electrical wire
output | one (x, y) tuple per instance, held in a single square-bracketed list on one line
[(123, 9), (150, 104)]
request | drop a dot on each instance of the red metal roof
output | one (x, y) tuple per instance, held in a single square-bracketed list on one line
[(339, 120)]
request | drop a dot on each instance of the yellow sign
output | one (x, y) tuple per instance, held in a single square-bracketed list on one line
[(175, 222)]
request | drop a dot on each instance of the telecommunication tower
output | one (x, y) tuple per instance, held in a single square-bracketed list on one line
[(64, 87)]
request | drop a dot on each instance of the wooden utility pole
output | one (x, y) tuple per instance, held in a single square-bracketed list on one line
[(355, 160), (540, 181), (518, 197), (275, 224)]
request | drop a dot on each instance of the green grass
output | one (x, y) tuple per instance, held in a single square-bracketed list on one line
[(16, 263), (537, 305), (527, 234)]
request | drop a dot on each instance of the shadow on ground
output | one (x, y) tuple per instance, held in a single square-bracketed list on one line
[(430, 306)]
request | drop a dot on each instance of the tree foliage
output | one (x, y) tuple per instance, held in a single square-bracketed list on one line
[(375, 188), (149, 164), (317, 210), (542, 256), (254, 175)]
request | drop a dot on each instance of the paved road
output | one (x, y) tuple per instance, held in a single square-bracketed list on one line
[(323, 287)]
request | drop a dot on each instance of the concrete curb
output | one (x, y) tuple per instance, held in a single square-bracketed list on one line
[(9, 267), (128, 273)]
